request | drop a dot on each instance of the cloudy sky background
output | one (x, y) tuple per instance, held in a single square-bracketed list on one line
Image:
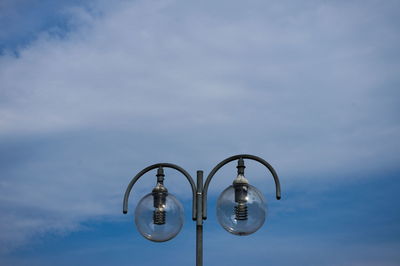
[(91, 92)]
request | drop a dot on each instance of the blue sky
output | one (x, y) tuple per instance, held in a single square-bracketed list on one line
[(91, 92)]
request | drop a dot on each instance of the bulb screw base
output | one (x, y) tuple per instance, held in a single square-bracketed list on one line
[(241, 212), (159, 217)]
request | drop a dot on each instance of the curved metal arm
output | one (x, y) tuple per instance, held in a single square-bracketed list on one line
[(154, 166), (230, 159)]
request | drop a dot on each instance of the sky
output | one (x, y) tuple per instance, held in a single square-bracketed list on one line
[(93, 91)]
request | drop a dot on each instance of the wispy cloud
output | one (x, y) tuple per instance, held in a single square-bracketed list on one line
[(311, 86)]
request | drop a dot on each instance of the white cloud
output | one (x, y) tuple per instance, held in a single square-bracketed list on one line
[(311, 87)]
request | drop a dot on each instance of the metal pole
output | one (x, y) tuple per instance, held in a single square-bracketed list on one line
[(199, 219)]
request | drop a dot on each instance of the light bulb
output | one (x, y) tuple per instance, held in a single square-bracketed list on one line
[(159, 215), (241, 208)]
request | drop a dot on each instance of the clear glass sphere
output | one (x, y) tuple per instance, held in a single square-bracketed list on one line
[(256, 211), (144, 218)]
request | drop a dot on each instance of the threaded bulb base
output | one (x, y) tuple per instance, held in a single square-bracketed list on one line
[(159, 217), (241, 211)]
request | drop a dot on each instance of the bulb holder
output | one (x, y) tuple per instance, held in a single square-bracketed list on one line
[(241, 192), (241, 186), (160, 194)]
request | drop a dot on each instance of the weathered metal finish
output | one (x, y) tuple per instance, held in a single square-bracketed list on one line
[(230, 159)]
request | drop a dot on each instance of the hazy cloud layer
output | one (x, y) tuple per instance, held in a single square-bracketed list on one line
[(312, 87)]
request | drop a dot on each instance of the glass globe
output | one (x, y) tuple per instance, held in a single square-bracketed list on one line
[(254, 209), (147, 218)]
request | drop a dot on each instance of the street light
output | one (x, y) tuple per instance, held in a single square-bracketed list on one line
[(241, 208)]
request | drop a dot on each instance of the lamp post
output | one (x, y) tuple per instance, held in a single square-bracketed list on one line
[(241, 208)]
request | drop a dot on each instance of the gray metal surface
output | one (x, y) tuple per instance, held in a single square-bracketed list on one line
[(199, 206), (199, 220)]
